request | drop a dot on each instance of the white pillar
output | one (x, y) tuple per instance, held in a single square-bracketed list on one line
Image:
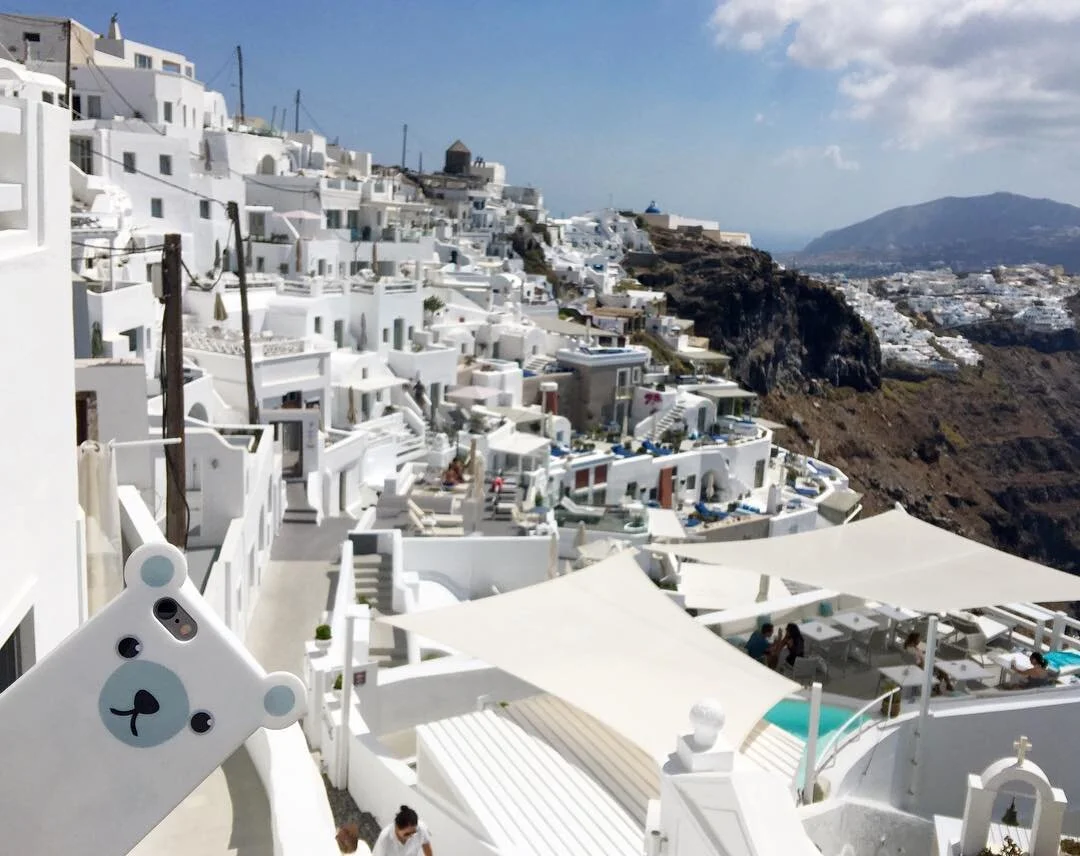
[(1039, 635), (810, 772), (344, 738), (1057, 630), (924, 711)]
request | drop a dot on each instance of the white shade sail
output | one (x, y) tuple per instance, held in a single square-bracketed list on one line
[(612, 644), (714, 587), (894, 558)]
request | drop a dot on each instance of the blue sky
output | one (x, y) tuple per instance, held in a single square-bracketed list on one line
[(747, 111)]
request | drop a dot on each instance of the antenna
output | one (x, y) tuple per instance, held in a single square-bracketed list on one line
[(240, 63)]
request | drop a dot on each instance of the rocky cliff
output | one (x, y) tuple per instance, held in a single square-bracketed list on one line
[(992, 454), (780, 328)]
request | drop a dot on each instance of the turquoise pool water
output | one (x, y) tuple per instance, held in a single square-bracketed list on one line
[(794, 717)]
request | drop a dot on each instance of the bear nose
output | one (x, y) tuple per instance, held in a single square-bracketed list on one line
[(146, 703)]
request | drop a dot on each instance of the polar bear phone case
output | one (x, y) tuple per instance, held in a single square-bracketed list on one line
[(108, 733)]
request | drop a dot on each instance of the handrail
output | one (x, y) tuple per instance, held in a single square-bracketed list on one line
[(837, 741)]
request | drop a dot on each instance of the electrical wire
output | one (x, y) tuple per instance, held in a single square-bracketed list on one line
[(118, 251)]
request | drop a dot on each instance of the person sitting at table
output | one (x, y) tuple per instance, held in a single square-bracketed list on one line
[(760, 642), (792, 642), (913, 649), (1036, 676)]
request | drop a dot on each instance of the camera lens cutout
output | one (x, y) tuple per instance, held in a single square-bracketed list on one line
[(166, 609), (129, 647)]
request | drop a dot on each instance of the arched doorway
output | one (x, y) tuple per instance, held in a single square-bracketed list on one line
[(267, 166), (198, 411)]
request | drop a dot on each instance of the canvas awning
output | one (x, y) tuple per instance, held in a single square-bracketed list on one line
[(522, 445), (664, 523), (609, 642), (897, 559), (714, 587)]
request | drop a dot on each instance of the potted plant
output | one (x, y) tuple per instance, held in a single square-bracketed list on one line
[(890, 707), (322, 637)]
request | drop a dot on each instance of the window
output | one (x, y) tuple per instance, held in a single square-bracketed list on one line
[(581, 479), (93, 106), (165, 164), (76, 106), (204, 209), (47, 97), (82, 155), (166, 106), (143, 61), (283, 269), (600, 474), (129, 162), (322, 267), (386, 338), (333, 219), (170, 66), (184, 116), (157, 208), (691, 482), (256, 223), (31, 37), (189, 71), (260, 264), (318, 324)]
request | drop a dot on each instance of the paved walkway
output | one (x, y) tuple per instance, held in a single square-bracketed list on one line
[(228, 814)]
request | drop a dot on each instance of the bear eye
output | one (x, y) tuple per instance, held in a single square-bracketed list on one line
[(129, 647), (201, 722)]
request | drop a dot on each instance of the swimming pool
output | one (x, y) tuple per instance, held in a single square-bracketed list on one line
[(793, 715)]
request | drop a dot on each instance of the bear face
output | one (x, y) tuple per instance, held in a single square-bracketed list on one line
[(160, 686)]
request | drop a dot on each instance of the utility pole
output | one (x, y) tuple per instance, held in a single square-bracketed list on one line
[(296, 110), (273, 119), (404, 141), (67, 64), (421, 169), (172, 332), (240, 63), (245, 318)]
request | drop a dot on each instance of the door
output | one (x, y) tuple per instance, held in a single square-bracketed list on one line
[(664, 497), (292, 449)]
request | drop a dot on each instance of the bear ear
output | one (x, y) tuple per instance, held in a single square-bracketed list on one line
[(284, 700), (157, 566)]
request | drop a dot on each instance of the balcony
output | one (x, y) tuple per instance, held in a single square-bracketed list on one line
[(231, 343)]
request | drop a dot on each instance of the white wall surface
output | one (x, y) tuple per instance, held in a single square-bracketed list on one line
[(120, 387), (39, 494), (469, 567)]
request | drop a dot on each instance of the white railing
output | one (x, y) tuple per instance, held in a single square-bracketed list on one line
[(846, 733)]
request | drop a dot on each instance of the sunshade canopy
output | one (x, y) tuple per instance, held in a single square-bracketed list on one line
[(609, 642), (713, 587), (897, 559)]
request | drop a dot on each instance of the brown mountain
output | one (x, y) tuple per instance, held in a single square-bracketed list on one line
[(993, 453)]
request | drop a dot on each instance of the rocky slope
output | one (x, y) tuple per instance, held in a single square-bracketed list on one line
[(779, 326), (992, 454)]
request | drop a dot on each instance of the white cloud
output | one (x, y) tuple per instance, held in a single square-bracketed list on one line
[(759, 118), (981, 72), (804, 156)]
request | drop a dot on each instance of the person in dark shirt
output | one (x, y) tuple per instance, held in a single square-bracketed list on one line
[(760, 641), (790, 646)]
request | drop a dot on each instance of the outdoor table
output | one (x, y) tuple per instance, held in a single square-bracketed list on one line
[(856, 622), (898, 616), (905, 677), (819, 631), (963, 670)]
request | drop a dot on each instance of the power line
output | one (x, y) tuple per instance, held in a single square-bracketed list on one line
[(117, 251), (227, 64), (172, 184)]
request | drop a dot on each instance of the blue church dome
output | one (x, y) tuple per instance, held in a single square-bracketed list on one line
[(652, 209)]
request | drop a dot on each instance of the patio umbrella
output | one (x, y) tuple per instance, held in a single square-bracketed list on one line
[(220, 312), (476, 489), (99, 501)]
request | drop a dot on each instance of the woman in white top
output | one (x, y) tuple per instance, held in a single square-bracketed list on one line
[(406, 836)]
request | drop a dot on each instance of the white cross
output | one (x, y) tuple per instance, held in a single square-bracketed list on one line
[(1021, 746)]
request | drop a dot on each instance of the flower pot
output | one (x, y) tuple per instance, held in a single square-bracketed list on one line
[(323, 644)]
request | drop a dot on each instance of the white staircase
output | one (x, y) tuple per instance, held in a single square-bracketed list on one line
[(774, 749), (668, 419), (373, 574), (538, 363)]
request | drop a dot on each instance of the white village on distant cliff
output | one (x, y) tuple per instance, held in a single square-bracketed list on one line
[(424, 447)]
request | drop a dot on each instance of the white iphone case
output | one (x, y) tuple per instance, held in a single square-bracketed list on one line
[(109, 732)]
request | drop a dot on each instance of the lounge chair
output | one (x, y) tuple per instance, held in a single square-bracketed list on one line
[(438, 519), (588, 513)]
